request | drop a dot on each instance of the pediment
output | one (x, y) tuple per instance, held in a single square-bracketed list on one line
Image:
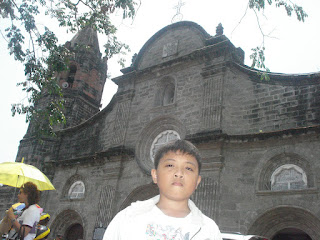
[(174, 41)]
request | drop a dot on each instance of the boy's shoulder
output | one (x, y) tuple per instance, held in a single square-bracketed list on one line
[(140, 207), (198, 216)]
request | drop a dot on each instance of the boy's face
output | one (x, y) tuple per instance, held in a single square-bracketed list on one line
[(177, 176)]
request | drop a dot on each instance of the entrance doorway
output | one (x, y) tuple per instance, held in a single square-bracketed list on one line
[(287, 223), (75, 232), (291, 234)]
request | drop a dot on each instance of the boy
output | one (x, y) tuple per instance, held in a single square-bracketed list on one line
[(170, 215)]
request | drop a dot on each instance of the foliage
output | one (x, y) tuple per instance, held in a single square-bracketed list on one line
[(289, 6), (257, 56), (43, 57), (258, 61)]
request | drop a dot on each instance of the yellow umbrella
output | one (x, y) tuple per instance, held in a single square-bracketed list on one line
[(15, 174)]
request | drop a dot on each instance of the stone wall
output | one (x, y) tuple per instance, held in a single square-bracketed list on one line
[(252, 106), (243, 194)]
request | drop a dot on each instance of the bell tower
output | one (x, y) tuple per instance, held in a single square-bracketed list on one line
[(82, 85)]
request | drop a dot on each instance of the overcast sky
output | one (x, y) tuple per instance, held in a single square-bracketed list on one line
[(293, 47)]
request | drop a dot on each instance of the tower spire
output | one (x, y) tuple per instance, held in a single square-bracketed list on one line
[(86, 37)]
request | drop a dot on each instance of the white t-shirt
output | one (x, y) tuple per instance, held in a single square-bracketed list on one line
[(155, 225), (29, 217), (143, 220), (161, 226)]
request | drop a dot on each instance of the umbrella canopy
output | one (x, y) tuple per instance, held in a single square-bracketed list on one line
[(15, 174)]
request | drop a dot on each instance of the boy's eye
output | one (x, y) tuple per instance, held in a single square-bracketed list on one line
[(169, 165), (189, 169)]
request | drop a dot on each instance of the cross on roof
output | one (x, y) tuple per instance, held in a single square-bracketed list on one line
[(178, 16), (178, 7)]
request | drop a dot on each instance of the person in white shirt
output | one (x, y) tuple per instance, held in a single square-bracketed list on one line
[(26, 223), (170, 215)]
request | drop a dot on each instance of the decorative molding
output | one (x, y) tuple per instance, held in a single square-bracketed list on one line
[(215, 68), (212, 103), (104, 216), (170, 48), (121, 122), (205, 196), (122, 117), (218, 136), (288, 192), (212, 166)]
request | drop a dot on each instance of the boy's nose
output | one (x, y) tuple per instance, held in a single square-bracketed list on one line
[(179, 174)]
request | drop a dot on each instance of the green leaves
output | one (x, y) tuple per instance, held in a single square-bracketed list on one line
[(16, 40), (97, 12), (257, 4), (258, 61), (7, 9), (113, 47), (289, 6), (257, 56), (44, 58)]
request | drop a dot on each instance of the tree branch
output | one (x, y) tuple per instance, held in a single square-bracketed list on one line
[(260, 28), (245, 13)]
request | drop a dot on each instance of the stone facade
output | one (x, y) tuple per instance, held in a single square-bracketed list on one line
[(259, 140)]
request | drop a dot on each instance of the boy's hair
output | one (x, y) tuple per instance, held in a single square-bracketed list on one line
[(182, 146), (32, 191)]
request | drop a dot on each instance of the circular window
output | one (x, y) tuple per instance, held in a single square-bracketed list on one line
[(158, 132), (76, 190), (161, 140)]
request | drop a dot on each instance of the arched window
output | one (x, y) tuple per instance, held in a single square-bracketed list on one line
[(162, 139), (77, 190), (72, 73), (288, 177), (168, 95), (165, 92)]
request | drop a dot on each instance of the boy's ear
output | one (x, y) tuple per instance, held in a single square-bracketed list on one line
[(199, 180), (154, 175)]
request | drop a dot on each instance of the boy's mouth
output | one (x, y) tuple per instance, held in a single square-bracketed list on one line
[(179, 184)]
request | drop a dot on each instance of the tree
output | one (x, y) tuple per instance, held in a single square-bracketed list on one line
[(44, 57), (257, 56)]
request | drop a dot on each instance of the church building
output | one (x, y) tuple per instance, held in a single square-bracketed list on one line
[(259, 139)]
